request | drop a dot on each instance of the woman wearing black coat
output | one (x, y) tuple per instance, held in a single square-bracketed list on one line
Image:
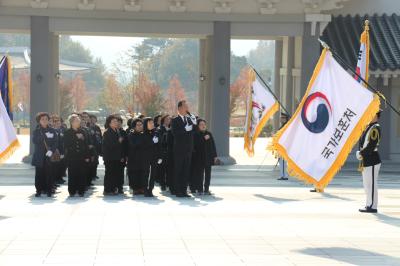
[(136, 166), (204, 156), (77, 155), (162, 168), (46, 142), (151, 155), (113, 155), (121, 176)]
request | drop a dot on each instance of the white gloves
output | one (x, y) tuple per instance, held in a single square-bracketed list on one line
[(49, 153), (49, 135), (159, 161), (358, 155), (155, 139), (193, 118), (188, 127)]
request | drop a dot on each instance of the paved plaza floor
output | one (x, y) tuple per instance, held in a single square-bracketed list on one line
[(252, 219)]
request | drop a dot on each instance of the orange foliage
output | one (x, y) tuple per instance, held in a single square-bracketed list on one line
[(148, 96), (175, 93), (238, 90)]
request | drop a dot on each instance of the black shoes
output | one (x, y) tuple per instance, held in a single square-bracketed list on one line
[(317, 190), (283, 178), (148, 194), (183, 195), (368, 210)]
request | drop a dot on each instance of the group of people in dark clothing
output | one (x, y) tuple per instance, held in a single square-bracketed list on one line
[(175, 152)]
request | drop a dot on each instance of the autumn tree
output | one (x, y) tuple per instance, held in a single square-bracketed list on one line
[(78, 92), (66, 99), (149, 96), (112, 96), (238, 90), (175, 93)]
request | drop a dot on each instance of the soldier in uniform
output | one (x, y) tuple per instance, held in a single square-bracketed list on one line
[(370, 163)]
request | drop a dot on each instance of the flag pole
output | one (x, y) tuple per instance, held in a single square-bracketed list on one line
[(273, 94), (348, 66)]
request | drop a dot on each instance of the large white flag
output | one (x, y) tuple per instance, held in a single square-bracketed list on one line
[(261, 105), (328, 122)]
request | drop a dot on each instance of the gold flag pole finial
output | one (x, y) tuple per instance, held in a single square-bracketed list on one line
[(366, 24)]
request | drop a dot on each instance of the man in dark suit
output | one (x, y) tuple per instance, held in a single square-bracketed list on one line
[(182, 127)]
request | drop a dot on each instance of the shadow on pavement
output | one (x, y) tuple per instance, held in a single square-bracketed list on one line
[(43, 199), (331, 196), (274, 199), (4, 217), (151, 201), (352, 256), (390, 220), (211, 198)]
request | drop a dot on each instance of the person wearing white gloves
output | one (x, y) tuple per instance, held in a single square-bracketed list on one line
[(182, 127), (46, 142), (370, 162)]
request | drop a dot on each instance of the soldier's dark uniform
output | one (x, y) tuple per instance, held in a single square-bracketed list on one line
[(371, 163)]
